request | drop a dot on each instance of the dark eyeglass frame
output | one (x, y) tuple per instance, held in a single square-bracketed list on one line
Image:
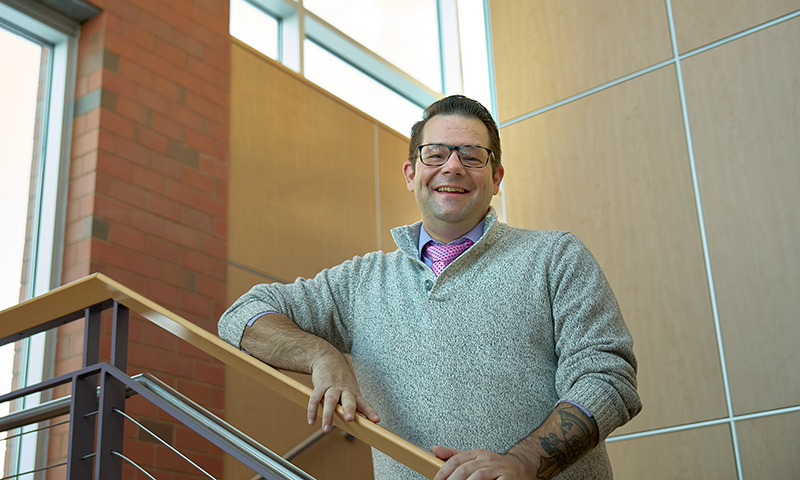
[(450, 149)]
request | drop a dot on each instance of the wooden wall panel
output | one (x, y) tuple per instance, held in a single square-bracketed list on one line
[(398, 206), (769, 446), (302, 193), (745, 119), (701, 23), (613, 168), (705, 453), (545, 51)]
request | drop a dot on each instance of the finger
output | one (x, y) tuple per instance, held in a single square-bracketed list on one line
[(313, 404), (328, 408), (444, 452), (367, 409), (349, 405), (451, 464)]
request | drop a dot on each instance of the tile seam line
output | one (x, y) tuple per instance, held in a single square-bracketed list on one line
[(704, 242), (651, 68)]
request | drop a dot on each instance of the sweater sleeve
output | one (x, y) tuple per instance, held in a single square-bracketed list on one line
[(596, 364), (321, 306)]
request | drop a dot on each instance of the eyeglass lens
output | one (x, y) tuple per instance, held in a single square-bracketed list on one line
[(470, 155)]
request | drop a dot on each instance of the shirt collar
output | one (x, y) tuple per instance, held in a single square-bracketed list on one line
[(474, 235)]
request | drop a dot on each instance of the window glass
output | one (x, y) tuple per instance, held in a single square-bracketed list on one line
[(404, 33), (358, 89), (474, 54), (254, 27), (20, 136)]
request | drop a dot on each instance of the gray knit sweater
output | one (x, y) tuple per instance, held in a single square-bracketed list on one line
[(478, 357)]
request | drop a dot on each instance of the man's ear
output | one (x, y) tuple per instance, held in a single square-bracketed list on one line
[(497, 178), (408, 172)]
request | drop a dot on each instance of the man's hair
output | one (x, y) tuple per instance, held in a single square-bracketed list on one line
[(464, 107)]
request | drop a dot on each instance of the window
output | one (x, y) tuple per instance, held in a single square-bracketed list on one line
[(413, 52), (37, 53), (255, 27)]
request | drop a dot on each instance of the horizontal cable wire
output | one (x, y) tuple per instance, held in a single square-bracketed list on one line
[(164, 443), (17, 475), (134, 464), (32, 431)]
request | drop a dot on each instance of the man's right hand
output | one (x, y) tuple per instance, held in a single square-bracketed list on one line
[(335, 383), (276, 340)]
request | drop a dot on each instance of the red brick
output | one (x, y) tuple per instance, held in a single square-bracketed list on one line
[(138, 36), (178, 364), (214, 167), (83, 186), (149, 6), (163, 250), (221, 229), (127, 278), (168, 127), (143, 356), (216, 23), (135, 73), (197, 219), (220, 61), (151, 139), (81, 88), (224, 115), (198, 262), (149, 180), (124, 10), (211, 288), (114, 166), (116, 124), (221, 190), (208, 73), (85, 143), (221, 270), (181, 193), (181, 234), (216, 131), (189, 9), (121, 47), (153, 101), (201, 106), (167, 166), (165, 207), (110, 254), (188, 44), (205, 36), (118, 84), (131, 110), (198, 180), (95, 25), (127, 237), (154, 63), (184, 116), (172, 54), (173, 275), (174, 18), (144, 265), (95, 80), (129, 193), (113, 23), (131, 151), (214, 207), (199, 142), (147, 222), (186, 79), (162, 294), (168, 90), (105, 141), (155, 26), (197, 391), (93, 119), (112, 210)]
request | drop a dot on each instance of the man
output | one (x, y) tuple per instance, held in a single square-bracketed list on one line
[(512, 361)]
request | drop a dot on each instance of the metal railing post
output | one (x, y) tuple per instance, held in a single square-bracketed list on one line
[(83, 408), (119, 337), (110, 428)]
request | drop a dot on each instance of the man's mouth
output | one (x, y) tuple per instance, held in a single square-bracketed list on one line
[(450, 190)]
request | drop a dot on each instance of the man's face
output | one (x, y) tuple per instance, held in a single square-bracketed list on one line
[(452, 197)]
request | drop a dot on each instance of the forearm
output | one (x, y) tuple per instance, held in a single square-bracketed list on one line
[(565, 436), (276, 340)]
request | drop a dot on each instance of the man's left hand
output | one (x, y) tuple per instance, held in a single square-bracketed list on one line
[(479, 465)]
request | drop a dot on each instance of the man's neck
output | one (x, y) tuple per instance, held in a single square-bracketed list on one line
[(447, 232)]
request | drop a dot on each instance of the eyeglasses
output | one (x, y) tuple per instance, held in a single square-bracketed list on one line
[(471, 156)]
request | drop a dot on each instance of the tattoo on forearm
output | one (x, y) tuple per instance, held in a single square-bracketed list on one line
[(577, 437)]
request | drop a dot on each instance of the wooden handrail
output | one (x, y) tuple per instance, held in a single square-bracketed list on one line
[(97, 288)]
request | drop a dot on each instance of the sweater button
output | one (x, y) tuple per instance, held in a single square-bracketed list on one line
[(428, 285)]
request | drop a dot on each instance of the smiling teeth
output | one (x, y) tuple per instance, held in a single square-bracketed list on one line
[(450, 189)]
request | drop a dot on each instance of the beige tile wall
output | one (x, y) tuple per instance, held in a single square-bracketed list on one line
[(617, 167)]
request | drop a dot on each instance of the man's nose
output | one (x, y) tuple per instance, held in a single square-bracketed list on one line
[(453, 163)]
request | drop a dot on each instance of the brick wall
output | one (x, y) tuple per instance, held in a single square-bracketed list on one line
[(148, 196)]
